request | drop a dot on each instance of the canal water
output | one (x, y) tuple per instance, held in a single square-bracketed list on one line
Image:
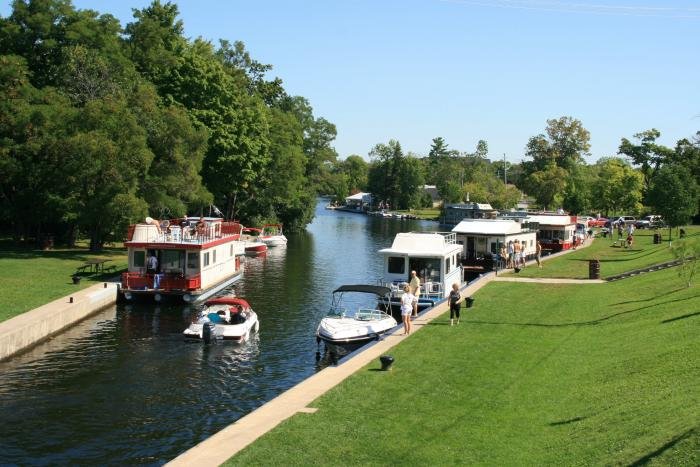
[(123, 387)]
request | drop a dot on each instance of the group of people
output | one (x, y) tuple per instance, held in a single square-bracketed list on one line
[(186, 230), (409, 302), (513, 253), (626, 231)]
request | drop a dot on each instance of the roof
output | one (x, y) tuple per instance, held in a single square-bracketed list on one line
[(359, 196), (362, 288), (471, 206), (550, 220), (421, 245), (488, 227), (228, 301)]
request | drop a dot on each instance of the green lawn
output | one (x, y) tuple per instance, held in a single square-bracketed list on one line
[(613, 259), (31, 278), (423, 213), (534, 375)]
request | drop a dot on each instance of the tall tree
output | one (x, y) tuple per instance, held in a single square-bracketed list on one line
[(674, 194), (618, 188), (646, 153)]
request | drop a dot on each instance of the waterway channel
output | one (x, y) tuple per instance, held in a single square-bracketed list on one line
[(123, 387)]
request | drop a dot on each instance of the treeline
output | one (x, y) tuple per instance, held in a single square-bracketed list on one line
[(643, 177), (102, 125)]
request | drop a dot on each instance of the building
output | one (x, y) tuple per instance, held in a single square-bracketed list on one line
[(481, 239), (359, 201), (556, 231), (455, 213)]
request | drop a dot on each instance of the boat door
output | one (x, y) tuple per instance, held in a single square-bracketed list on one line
[(471, 253)]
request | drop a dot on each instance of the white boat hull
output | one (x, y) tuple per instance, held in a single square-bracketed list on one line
[(222, 331), (274, 240), (338, 330)]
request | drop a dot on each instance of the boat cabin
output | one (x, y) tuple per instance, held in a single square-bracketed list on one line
[(191, 257), (482, 239), (433, 255), (556, 231)]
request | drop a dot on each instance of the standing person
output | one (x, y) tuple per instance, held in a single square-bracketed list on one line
[(407, 300), (516, 253), (538, 252), (151, 263), (523, 247), (575, 240), (415, 291), (504, 256), (455, 303), (509, 263)]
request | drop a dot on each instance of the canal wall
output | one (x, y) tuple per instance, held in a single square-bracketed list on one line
[(32, 327)]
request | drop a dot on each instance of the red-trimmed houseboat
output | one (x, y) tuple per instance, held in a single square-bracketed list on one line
[(194, 258), (556, 231)]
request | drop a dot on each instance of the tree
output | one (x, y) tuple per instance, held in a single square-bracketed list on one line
[(618, 187), (395, 178), (356, 169), (674, 194), (647, 154), (546, 185)]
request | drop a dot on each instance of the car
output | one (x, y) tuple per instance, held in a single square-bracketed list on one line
[(584, 220), (649, 222), (624, 220), (600, 222)]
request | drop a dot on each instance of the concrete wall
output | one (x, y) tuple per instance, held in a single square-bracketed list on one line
[(32, 327)]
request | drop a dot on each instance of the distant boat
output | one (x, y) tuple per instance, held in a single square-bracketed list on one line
[(272, 235)]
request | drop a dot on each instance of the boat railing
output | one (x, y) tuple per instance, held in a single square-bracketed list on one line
[(174, 233), (160, 281), (369, 314), (449, 237)]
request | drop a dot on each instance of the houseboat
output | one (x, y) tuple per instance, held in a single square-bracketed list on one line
[(482, 239), (189, 259), (435, 258), (556, 231)]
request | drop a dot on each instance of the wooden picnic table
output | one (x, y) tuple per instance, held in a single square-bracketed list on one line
[(97, 264)]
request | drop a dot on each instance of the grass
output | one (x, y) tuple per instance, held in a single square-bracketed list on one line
[(613, 259), (32, 277), (423, 213), (534, 375)]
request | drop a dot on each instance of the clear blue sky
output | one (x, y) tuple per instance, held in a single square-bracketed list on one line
[(466, 70)]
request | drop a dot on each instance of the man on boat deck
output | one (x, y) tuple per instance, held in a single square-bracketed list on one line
[(152, 263), (414, 286)]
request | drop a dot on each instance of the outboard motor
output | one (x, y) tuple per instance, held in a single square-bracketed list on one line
[(208, 331)]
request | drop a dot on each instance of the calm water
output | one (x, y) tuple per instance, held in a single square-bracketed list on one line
[(123, 387)]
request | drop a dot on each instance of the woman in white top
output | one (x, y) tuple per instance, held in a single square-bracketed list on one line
[(407, 300)]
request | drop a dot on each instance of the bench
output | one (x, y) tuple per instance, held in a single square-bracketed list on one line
[(111, 268), (82, 268)]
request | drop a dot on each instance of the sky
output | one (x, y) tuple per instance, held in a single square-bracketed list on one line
[(465, 70)]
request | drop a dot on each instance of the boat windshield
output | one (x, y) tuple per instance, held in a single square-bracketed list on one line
[(337, 312)]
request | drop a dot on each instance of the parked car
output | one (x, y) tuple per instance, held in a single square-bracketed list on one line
[(624, 220), (600, 222), (649, 222)]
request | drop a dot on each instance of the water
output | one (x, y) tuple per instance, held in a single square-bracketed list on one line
[(124, 387)]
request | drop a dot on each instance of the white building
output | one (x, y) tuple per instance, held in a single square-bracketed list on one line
[(482, 238)]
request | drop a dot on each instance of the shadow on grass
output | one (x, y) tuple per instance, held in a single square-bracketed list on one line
[(628, 259), (566, 422), (647, 299), (592, 322), (645, 459), (689, 315)]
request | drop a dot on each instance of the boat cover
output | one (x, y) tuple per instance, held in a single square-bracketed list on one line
[(228, 301), (373, 289)]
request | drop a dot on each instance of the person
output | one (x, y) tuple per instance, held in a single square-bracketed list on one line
[(201, 227), (156, 222), (151, 263), (538, 251), (455, 303), (575, 241), (407, 300), (523, 247), (415, 291), (509, 263), (619, 230), (630, 239), (504, 256)]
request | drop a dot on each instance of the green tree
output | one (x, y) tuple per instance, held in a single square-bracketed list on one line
[(647, 153), (618, 187), (674, 194), (356, 169)]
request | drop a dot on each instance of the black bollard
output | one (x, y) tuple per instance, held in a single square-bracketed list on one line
[(387, 361)]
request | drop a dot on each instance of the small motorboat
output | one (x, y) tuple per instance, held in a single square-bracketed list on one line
[(343, 326), (272, 235), (255, 248), (227, 318)]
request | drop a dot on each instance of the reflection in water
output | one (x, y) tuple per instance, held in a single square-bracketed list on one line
[(124, 386)]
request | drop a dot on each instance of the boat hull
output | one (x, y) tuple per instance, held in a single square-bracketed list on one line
[(220, 331), (188, 296), (348, 330), (276, 240)]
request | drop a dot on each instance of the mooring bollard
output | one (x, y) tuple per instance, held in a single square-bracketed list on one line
[(387, 361), (70, 300)]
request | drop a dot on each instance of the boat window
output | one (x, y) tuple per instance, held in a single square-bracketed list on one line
[(397, 265), (192, 260), (447, 264), (213, 258), (428, 269), (206, 259), (139, 259), (230, 253), (170, 260)]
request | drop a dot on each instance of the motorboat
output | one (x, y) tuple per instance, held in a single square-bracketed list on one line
[(272, 235), (227, 318), (255, 248), (347, 326), (253, 241)]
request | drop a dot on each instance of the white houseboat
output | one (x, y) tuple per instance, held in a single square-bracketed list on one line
[(434, 257), (482, 239), (194, 258), (556, 231)]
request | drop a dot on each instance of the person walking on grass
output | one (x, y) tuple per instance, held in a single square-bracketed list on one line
[(406, 309), (538, 256), (415, 291), (455, 299)]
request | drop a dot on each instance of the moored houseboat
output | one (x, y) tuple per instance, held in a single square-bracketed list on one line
[(555, 231), (435, 258), (190, 259)]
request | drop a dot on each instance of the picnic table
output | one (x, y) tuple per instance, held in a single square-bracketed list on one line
[(94, 265)]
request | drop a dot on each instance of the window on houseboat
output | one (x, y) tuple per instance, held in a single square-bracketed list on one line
[(231, 251), (428, 269), (397, 265), (171, 260), (192, 260), (206, 259), (447, 265), (139, 259), (213, 257)]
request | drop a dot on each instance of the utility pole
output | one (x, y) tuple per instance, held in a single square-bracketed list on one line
[(505, 169)]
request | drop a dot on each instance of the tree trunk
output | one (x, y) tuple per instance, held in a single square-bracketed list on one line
[(96, 242)]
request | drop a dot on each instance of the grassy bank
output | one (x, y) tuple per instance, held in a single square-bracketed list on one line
[(429, 214), (534, 375), (613, 258), (31, 277)]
